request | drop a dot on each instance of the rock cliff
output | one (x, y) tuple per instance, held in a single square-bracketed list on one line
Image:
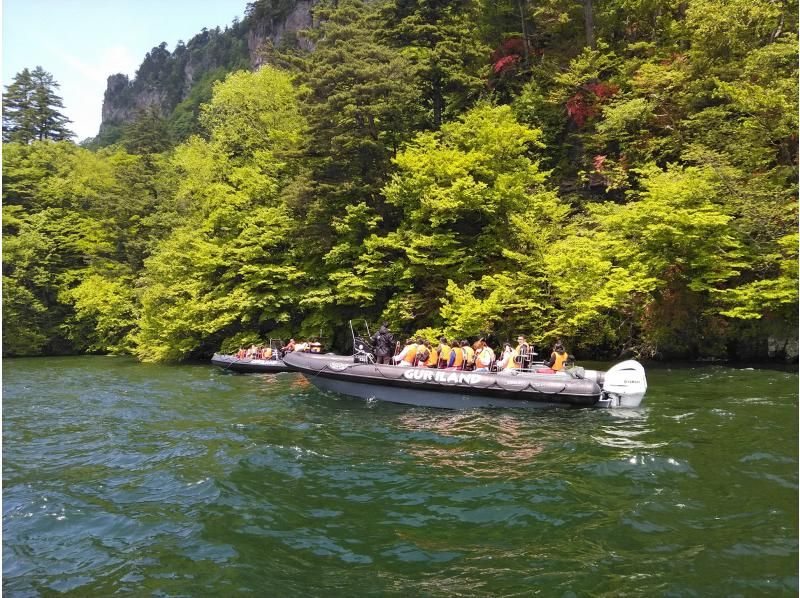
[(166, 79)]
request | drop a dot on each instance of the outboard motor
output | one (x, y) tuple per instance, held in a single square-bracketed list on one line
[(625, 384), (362, 351)]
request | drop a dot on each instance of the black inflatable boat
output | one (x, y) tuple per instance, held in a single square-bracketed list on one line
[(624, 385)]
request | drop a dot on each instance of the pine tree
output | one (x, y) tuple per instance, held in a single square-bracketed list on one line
[(30, 109), (18, 115)]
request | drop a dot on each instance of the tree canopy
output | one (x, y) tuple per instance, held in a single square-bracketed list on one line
[(619, 175), (31, 109)]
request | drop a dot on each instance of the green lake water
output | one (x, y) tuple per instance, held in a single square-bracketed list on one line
[(146, 480)]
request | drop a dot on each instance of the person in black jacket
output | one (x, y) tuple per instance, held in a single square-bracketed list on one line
[(383, 343)]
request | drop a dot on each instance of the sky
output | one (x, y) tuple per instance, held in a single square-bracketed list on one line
[(82, 42)]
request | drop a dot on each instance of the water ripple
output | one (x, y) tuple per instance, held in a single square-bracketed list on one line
[(122, 478)]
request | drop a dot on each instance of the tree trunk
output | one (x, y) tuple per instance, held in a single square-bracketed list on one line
[(521, 4), (588, 20)]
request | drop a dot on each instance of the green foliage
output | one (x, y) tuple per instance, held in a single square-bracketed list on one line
[(621, 175), (30, 109), (227, 271)]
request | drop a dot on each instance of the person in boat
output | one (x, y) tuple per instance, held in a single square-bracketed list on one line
[(241, 353), (289, 347), (429, 356), (266, 353), (557, 358), (252, 352), (408, 355), (524, 353), (422, 353), (484, 356), (456, 359), (469, 356), (383, 342), (507, 358), (443, 349)]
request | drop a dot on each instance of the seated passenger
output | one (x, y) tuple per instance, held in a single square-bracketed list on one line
[(484, 356), (456, 358), (469, 355), (408, 355), (557, 357), (443, 349), (289, 347), (525, 353), (429, 357), (506, 361)]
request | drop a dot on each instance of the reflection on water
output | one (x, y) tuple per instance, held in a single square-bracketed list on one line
[(477, 434)]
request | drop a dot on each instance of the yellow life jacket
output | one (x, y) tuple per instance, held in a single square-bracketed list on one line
[(484, 358), (469, 355), (560, 358), (513, 364), (411, 354), (268, 353), (458, 360)]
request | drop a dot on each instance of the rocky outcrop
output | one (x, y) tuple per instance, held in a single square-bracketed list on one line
[(280, 30), (164, 78), (122, 100)]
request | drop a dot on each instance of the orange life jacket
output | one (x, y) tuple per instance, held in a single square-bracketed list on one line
[(411, 354), (444, 354), (458, 360), (433, 358), (560, 358)]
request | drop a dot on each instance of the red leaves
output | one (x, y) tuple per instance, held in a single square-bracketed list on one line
[(504, 62), (598, 161), (585, 104), (602, 90), (508, 55)]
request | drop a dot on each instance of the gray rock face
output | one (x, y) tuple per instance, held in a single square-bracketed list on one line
[(276, 31), (156, 83), (786, 348)]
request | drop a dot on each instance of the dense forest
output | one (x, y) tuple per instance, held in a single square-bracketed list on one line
[(620, 174)]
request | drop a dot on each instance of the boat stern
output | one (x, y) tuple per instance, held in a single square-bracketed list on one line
[(624, 385)]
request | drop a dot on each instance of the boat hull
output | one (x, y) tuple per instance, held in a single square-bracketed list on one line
[(447, 389), (262, 366)]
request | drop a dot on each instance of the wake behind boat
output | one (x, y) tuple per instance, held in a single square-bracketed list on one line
[(624, 385)]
